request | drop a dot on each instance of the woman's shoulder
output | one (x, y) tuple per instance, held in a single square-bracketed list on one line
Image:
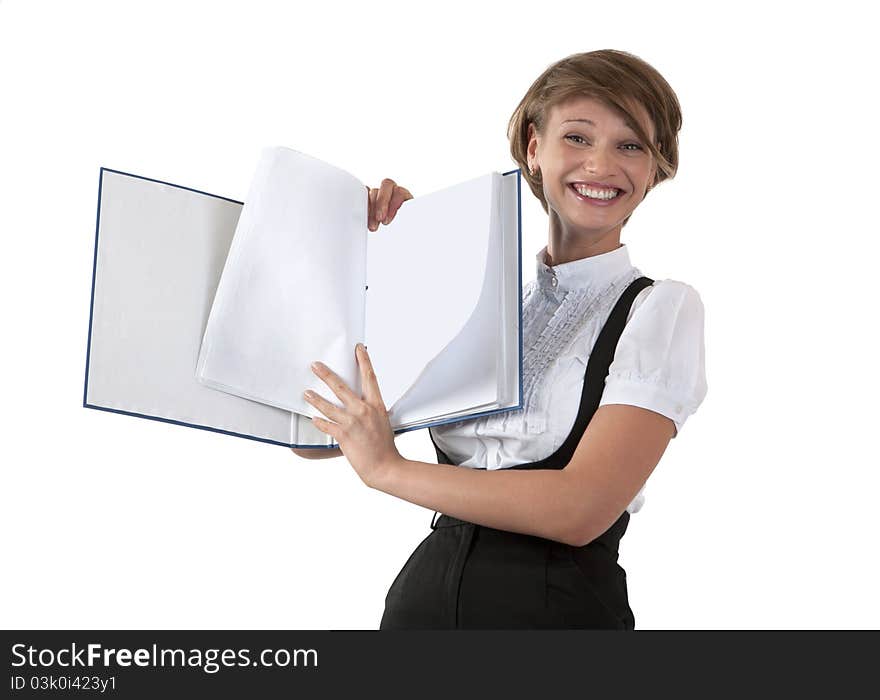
[(669, 295), (671, 287), (659, 362)]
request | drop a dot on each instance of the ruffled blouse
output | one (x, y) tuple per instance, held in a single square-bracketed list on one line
[(659, 363)]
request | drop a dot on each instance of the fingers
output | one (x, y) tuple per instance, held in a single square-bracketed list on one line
[(400, 195), (372, 395), (384, 202), (386, 189), (370, 383), (335, 382), (372, 223), (330, 410)]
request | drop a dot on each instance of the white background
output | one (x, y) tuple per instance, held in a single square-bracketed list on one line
[(762, 514)]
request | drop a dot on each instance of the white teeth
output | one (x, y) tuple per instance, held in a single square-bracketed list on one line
[(595, 194)]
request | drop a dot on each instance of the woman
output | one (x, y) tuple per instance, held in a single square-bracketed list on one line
[(613, 365)]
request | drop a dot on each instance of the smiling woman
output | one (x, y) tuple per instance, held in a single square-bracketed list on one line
[(535, 501), (638, 112)]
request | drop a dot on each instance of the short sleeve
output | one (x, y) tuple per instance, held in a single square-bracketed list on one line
[(660, 360)]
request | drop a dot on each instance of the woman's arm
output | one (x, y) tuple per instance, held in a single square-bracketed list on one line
[(615, 456), (534, 502)]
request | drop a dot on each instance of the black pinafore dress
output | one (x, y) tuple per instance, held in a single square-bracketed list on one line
[(468, 576)]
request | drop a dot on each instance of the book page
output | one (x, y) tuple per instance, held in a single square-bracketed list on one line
[(479, 371), (426, 272), (292, 288)]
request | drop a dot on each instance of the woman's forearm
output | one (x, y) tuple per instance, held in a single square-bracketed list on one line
[(541, 502)]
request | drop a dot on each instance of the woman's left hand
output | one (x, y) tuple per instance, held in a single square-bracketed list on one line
[(362, 427)]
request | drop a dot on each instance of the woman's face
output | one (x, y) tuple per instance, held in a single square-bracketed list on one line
[(585, 142)]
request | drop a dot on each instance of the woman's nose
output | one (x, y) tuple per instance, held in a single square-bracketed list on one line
[(595, 161)]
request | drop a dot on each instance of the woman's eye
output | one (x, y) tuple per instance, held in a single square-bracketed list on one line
[(582, 140)]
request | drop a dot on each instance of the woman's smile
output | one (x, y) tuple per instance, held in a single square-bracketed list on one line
[(584, 199)]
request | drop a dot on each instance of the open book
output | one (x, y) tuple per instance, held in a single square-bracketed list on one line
[(207, 311)]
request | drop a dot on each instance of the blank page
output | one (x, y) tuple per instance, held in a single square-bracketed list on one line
[(426, 272), (479, 369)]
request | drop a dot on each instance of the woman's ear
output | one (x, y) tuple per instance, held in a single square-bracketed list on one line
[(653, 177), (532, 147)]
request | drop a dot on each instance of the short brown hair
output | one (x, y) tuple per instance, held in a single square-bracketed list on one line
[(614, 77)]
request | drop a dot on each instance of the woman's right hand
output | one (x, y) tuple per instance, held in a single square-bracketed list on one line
[(384, 201)]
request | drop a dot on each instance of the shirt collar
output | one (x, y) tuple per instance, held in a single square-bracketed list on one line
[(594, 271)]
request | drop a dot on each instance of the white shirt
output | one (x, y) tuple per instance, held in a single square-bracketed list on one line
[(659, 363)]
